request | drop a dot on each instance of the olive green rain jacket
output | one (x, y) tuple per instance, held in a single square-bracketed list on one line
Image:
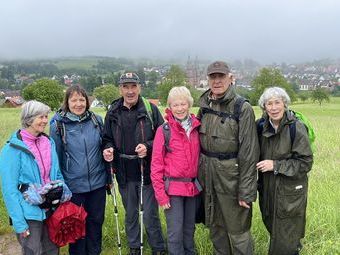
[(283, 192), (225, 182)]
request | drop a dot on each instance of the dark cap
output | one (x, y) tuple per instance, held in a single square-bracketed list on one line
[(218, 67), (128, 77)]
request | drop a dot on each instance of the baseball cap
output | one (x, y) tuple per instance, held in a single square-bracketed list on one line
[(218, 67), (128, 77)]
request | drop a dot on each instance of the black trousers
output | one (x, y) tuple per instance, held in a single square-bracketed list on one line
[(94, 204)]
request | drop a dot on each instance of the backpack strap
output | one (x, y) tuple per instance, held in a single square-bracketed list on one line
[(224, 115), (167, 134), (61, 131), (238, 107), (292, 132), (259, 127), (97, 123), (149, 113)]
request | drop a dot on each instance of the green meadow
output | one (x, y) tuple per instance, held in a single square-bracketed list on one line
[(323, 213)]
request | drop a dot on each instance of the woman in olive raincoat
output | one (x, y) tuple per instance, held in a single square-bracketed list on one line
[(285, 160)]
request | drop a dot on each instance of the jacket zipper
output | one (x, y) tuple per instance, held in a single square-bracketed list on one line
[(42, 162), (87, 157)]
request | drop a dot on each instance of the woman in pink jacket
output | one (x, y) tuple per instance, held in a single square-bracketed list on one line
[(174, 169)]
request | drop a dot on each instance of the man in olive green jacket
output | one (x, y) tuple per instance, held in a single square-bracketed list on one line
[(228, 160)]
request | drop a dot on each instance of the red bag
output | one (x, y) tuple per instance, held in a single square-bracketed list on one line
[(67, 224)]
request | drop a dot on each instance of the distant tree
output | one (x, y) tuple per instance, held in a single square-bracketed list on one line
[(320, 95), (336, 91), (175, 77), (91, 82), (269, 77), (106, 94), (242, 91), (141, 74), (304, 96), (196, 94), (46, 91)]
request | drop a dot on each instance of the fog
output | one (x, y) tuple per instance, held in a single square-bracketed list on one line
[(263, 30)]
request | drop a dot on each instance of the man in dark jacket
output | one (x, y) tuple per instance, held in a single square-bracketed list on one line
[(128, 136), (229, 153)]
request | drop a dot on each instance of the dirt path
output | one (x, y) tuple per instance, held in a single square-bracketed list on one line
[(9, 245)]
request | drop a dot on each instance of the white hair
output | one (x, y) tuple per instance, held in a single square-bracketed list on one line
[(180, 92), (274, 92), (32, 109)]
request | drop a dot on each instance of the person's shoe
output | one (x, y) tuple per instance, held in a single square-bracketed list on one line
[(159, 253), (134, 251)]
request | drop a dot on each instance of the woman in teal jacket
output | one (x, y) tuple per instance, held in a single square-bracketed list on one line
[(29, 159)]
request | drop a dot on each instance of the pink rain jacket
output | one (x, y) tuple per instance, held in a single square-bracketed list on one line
[(181, 162)]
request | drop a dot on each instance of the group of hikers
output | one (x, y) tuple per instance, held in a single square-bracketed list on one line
[(212, 164)]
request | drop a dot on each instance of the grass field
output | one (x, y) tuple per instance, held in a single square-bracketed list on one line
[(323, 214)]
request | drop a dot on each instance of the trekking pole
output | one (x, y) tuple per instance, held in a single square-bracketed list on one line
[(141, 209), (113, 194)]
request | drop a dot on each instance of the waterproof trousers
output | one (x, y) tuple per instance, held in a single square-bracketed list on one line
[(130, 194), (230, 244), (94, 204), (38, 241), (180, 220)]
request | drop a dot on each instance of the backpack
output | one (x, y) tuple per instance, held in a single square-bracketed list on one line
[(224, 115), (292, 128), (148, 108)]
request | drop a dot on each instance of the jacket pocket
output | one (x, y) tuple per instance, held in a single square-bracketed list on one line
[(292, 198), (226, 177)]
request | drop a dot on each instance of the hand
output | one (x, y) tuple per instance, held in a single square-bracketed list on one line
[(108, 154), (265, 165), (243, 204), (25, 234), (141, 150), (166, 206)]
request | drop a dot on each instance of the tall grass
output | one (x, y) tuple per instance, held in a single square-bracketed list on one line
[(323, 211)]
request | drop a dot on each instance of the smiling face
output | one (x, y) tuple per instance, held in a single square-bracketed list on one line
[(38, 125), (180, 108), (275, 109), (130, 92), (219, 83), (77, 104)]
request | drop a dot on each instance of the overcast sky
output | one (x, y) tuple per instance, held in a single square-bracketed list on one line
[(264, 30)]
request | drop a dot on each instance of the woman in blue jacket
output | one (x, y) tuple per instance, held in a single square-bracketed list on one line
[(29, 164), (77, 133)]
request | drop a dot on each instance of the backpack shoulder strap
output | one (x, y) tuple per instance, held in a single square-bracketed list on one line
[(167, 134), (61, 130), (148, 108), (292, 131), (96, 122), (259, 126), (224, 115), (238, 107)]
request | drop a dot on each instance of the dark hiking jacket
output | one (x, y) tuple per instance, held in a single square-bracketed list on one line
[(144, 133), (283, 192)]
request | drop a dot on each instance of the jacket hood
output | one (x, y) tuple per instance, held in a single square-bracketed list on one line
[(62, 117), (205, 99)]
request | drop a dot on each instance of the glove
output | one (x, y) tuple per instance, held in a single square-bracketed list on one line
[(32, 194), (67, 194)]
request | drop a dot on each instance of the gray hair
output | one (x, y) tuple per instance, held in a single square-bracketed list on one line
[(180, 92), (32, 109), (274, 92)]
